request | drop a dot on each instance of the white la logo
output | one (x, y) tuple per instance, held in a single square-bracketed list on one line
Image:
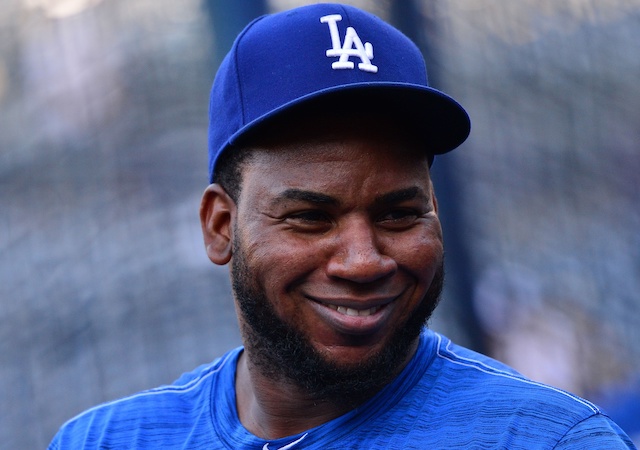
[(344, 51)]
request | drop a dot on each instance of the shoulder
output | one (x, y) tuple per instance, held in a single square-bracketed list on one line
[(464, 397), (170, 409), (481, 395), (482, 376)]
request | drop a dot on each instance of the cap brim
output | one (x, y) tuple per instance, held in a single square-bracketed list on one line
[(438, 120)]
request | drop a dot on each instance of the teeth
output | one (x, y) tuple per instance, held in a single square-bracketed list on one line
[(354, 312)]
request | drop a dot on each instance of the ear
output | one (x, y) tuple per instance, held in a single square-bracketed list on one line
[(217, 217)]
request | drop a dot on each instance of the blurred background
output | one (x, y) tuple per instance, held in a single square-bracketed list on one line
[(105, 288)]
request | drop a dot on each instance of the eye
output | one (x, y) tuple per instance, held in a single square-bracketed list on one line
[(398, 218), (309, 220)]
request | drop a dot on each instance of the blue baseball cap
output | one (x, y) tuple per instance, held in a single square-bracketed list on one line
[(327, 57)]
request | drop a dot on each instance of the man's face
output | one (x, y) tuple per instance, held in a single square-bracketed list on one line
[(337, 259)]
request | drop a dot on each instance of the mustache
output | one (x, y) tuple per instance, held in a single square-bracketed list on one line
[(283, 353)]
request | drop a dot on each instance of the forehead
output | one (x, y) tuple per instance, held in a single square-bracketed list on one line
[(360, 156)]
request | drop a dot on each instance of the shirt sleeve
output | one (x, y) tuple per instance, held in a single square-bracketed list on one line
[(597, 431)]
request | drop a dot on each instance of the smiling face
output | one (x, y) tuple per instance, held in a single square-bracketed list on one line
[(337, 256)]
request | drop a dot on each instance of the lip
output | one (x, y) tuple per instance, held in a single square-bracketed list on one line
[(354, 316)]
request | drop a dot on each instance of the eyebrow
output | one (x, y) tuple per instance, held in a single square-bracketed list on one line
[(399, 196), (389, 198), (307, 196)]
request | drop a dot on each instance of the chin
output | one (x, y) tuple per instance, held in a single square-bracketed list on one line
[(350, 369)]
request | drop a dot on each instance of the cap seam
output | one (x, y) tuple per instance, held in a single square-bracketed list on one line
[(346, 14), (237, 74)]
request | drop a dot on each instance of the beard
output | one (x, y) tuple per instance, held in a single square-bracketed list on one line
[(283, 353)]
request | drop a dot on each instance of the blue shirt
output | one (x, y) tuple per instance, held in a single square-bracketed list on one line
[(447, 397)]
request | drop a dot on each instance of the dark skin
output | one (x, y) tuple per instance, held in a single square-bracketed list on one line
[(342, 250)]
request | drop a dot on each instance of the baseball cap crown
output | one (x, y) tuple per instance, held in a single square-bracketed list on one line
[(331, 52)]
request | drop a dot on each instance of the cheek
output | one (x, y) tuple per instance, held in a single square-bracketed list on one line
[(418, 255), (278, 263)]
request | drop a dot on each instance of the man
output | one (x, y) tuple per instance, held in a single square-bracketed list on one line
[(322, 134)]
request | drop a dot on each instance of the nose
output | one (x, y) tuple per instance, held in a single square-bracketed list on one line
[(357, 256)]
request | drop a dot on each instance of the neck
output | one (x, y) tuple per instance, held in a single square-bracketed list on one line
[(273, 409)]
